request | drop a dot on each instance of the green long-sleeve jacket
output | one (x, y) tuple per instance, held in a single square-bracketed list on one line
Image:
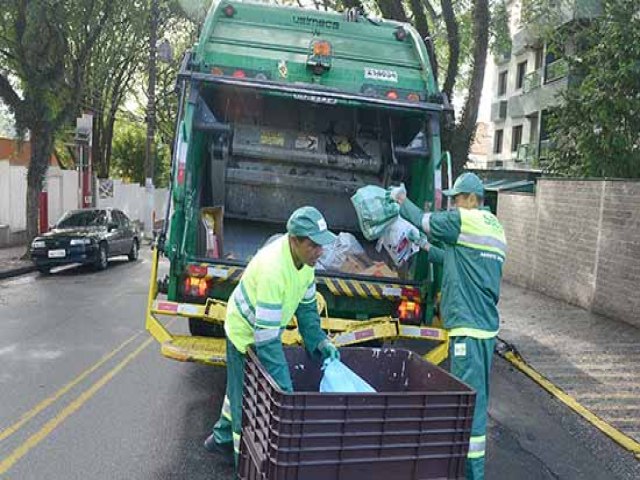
[(472, 254)]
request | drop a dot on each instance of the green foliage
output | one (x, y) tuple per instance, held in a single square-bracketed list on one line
[(129, 153), (596, 131), (500, 39)]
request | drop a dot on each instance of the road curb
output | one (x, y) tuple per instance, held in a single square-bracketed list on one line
[(14, 272), (509, 353)]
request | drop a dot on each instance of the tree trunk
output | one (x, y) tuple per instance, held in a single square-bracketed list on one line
[(422, 26), (41, 148), (453, 39), (392, 9), (463, 135)]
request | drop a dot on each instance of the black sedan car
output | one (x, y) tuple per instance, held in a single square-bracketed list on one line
[(89, 236)]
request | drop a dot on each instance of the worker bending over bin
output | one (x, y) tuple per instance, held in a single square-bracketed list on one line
[(278, 283), (472, 255)]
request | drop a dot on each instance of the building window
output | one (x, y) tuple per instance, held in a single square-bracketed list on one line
[(516, 138), (502, 83), (497, 141), (522, 71)]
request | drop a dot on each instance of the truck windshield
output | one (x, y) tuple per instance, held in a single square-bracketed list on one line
[(89, 218)]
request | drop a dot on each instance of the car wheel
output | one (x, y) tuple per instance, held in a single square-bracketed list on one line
[(133, 254), (200, 328), (44, 270), (103, 257)]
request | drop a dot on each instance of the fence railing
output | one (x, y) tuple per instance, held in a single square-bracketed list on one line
[(556, 70)]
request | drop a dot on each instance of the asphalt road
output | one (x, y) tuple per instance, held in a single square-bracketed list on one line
[(84, 394)]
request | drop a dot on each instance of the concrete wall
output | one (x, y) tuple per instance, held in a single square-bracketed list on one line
[(131, 199), (578, 241), (62, 188)]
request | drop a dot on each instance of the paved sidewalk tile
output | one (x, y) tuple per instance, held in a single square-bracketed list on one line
[(593, 358)]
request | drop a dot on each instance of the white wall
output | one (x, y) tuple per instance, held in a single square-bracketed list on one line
[(62, 188), (131, 199)]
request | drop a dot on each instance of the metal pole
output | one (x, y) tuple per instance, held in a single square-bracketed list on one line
[(151, 116)]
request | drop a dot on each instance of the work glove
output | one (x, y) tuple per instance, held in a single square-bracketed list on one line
[(398, 194), (420, 240), (329, 351)]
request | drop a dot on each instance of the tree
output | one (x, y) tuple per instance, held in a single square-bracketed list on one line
[(45, 45), (111, 72), (462, 47), (595, 132), (128, 152)]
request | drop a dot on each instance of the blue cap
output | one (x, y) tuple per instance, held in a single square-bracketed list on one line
[(466, 183)]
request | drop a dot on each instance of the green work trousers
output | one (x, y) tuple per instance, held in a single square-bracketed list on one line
[(228, 428), (471, 362)]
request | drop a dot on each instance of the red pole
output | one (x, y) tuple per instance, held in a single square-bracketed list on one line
[(44, 212)]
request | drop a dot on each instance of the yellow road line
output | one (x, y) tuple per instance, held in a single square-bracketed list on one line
[(615, 434), (7, 432), (51, 425)]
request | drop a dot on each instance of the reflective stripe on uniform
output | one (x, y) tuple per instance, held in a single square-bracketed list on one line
[(472, 332), (483, 242), (243, 305), (264, 335), (426, 218), (268, 316), (226, 408), (236, 442), (477, 446), (481, 230)]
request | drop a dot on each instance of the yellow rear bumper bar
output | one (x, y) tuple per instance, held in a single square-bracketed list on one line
[(211, 351)]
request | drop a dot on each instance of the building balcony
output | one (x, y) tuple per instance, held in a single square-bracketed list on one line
[(532, 81), (525, 40), (572, 10), (538, 95), (556, 70), (499, 110), (528, 153)]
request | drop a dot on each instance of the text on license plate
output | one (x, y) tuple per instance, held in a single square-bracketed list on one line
[(57, 253)]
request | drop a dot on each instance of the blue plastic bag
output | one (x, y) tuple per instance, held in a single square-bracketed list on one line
[(338, 378)]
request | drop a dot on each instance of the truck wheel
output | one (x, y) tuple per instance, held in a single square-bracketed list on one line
[(200, 328), (103, 257)]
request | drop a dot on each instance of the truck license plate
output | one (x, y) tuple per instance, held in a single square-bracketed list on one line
[(57, 253)]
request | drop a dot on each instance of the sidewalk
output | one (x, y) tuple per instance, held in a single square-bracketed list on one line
[(594, 359), (10, 263)]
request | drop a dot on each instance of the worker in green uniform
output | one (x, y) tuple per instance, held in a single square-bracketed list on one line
[(278, 283), (472, 253)]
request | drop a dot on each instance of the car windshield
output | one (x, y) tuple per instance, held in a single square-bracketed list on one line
[(88, 218)]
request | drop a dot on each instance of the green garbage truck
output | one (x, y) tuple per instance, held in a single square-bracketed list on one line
[(281, 107)]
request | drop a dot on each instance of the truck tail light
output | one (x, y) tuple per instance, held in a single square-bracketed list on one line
[(239, 74), (413, 97), (196, 286), (410, 312), (217, 71), (392, 95)]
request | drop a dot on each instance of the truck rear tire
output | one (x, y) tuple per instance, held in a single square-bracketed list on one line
[(200, 328)]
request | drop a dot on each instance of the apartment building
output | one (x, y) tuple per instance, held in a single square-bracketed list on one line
[(527, 84)]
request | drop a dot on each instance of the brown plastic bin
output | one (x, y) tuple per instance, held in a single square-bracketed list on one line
[(416, 425)]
